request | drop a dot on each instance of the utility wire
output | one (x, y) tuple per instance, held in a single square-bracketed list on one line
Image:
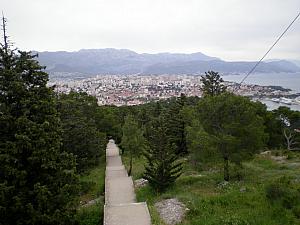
[(277, 40)]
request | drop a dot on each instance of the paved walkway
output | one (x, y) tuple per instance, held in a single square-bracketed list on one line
[(120, 205)]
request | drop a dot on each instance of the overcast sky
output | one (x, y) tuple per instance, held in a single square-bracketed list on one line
[(229, 29)]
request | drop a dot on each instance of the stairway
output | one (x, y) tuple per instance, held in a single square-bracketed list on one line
[(120, 206)]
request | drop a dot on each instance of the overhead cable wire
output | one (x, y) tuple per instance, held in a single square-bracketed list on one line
[(257, 63)]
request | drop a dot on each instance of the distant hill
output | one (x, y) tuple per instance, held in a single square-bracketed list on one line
[(296, 62), (122, 61)]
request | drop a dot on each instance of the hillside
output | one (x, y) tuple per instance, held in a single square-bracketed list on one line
[(122, 61), (210, 201)]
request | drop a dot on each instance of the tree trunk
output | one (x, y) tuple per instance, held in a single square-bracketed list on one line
[(289, 137), (226, 169), (130, 165)]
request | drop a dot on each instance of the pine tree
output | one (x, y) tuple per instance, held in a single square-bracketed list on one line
[(212, 84), (176, 129), (290, 126), (37, 180), (81, 136), (163, 167), (234, 126)]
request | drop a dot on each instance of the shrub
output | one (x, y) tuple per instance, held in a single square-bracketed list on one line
[(85, 186), (283, 192)]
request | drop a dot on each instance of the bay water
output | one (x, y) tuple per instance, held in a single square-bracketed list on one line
[(286, 80)]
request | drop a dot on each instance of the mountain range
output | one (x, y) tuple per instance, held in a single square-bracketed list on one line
[(91, 62)]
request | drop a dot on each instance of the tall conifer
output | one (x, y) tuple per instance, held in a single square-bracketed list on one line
[(176, 128), (163, 167), (37, 180)]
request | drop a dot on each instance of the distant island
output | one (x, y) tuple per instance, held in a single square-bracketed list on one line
[(90, 62)]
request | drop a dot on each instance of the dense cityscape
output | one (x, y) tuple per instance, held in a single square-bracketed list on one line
[(137, 89)]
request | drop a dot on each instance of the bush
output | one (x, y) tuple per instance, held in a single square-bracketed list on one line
[(283, 193), (91, 215), (85, 186), (296, 211), (238, 172)]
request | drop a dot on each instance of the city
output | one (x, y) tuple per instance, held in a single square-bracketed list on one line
[(139, 89)]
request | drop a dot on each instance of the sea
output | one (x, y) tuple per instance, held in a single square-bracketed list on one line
[(286, 80)]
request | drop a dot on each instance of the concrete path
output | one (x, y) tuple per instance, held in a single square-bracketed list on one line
[(120, 205)]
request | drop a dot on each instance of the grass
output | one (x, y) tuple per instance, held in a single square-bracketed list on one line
[(237, 203), (92, 215), (138, 166), (93, 186)]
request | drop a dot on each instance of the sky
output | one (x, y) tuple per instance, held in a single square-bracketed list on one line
[(232, 30)]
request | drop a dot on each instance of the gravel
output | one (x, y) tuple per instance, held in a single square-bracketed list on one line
[(140, 183), (171, 210)]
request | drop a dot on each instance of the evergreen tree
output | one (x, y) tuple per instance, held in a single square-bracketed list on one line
[(133, 140), (200, 144), (212, 84), (176, 125), (81, 136), (290, 126), (234, 125), (109, 121), (143, 116), (163, 167), (154, 109), (38, 184)]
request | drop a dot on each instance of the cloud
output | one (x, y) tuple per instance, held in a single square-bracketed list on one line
[(231, 29)]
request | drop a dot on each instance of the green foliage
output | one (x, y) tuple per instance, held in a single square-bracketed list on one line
[(234, 126), (282, 192), (274, 129), (38, 184), (92, 215), (133, 140), (212, 84), (289, 121), (109, 120), (81, 136), (139, 163), (242, 202), (200, 145), (94, 179), (176, 125), (163, 167)]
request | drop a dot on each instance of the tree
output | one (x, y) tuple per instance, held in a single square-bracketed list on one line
[(212, 84), (200, 144), (81, 136), (176, 125), (109, 121), (290, 126), (163, 167), (274, 129), (154, 110), (38, 184), (234, 125), (132, 140)]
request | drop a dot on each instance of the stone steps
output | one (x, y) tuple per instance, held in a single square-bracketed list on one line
[(120, 203), (127, 214), (113, 161), (115, 173), (119, 190)]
